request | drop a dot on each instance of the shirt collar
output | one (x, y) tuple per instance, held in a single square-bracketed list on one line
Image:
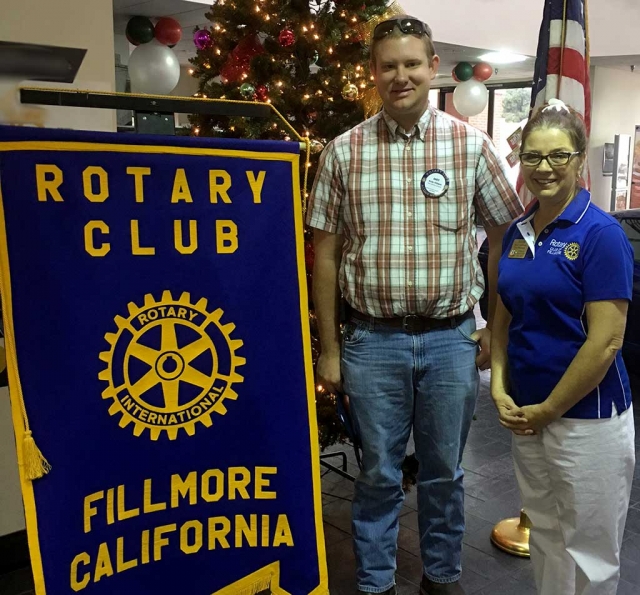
[(420, 129), (576, 208), (574, 212)]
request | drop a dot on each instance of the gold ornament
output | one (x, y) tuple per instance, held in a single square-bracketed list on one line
[(350, 92), (365, 30), (316, 146), (371, 102)]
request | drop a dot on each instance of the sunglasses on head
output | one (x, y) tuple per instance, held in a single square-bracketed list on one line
[(408, 26)]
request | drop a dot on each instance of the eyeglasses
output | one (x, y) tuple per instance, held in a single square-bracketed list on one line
[(558, 159), (407, 26)]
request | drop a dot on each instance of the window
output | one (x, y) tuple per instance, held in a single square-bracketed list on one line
[(434, 97), (511, 111)]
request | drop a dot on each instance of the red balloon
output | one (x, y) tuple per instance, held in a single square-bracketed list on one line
[(454, 76), (168, 31), (482, 71)]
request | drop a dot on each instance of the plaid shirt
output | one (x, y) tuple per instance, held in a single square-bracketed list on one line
[(404, 253)]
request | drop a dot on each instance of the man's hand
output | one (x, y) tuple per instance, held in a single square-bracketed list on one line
[(511, 416), (483, 338), (328, 372)]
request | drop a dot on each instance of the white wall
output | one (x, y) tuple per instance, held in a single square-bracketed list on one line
[(122, 47), (187, 86), (83, 24), (615, 110), (71, 23), (11, 511), (514, 24)]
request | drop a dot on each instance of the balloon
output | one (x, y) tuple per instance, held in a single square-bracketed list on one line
[(168, 31), (454, 76), (139, 30), (202, 39), (482, 71), (154, 69), (464, 71), (470, 98)]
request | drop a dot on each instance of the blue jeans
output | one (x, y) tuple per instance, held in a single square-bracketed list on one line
[(396, 381)]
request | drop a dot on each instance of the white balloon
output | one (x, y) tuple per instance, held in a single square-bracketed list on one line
[(470, 98), (154, 69)]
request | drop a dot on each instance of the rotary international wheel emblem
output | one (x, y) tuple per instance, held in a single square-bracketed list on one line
[(170, 365), (572, 251)]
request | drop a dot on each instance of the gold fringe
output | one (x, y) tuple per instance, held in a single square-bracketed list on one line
[(371, 102), (365, 30), (35, 465), (261, 585)]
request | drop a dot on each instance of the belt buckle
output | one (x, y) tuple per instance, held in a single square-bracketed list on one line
[(411, 323)]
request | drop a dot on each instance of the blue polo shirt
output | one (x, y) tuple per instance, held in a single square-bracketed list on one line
[(545, 282)]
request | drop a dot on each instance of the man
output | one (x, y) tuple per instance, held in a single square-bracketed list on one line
[(393, 207)]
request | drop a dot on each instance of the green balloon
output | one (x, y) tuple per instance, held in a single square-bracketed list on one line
[(464, 71), (139, 30)]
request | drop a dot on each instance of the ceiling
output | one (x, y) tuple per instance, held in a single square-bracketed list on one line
[(451, 54), (190, 13)]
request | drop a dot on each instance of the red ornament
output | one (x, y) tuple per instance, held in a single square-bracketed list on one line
[(309, 256), (286, 38), (168, 31), (239, 61), (262, 93), (482, 71)]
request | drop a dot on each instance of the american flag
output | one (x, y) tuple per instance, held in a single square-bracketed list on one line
[(562, 64)]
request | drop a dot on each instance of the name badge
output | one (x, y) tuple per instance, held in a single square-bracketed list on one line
[(434, 183), (518, 249)]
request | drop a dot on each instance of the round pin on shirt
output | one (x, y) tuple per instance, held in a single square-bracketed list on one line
[(434, 183)]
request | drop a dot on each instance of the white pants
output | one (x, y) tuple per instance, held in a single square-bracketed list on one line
[(575, 481)]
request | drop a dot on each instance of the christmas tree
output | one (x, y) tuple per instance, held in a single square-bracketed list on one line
[(309, 59)]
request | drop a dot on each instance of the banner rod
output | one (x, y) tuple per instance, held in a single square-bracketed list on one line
[(152, 103), (164, 104)]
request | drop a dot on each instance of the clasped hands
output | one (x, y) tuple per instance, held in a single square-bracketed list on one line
[(523, 421)]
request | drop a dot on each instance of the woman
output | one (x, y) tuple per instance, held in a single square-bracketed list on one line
[(558, 380)]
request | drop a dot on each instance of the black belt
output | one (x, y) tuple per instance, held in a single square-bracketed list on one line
[(412, 323)]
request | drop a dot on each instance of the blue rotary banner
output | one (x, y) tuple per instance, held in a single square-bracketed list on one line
[(156, 319)]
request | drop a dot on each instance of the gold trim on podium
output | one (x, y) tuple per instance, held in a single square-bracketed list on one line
[(512, 535)]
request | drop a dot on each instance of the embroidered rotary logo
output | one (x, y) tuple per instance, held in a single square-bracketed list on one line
[(171, 364), (572, 250)]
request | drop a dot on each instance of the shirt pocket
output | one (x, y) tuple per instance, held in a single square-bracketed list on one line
[(451, 212)]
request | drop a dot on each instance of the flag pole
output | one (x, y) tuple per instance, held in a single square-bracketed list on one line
[(512, 535), (563, 43)]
